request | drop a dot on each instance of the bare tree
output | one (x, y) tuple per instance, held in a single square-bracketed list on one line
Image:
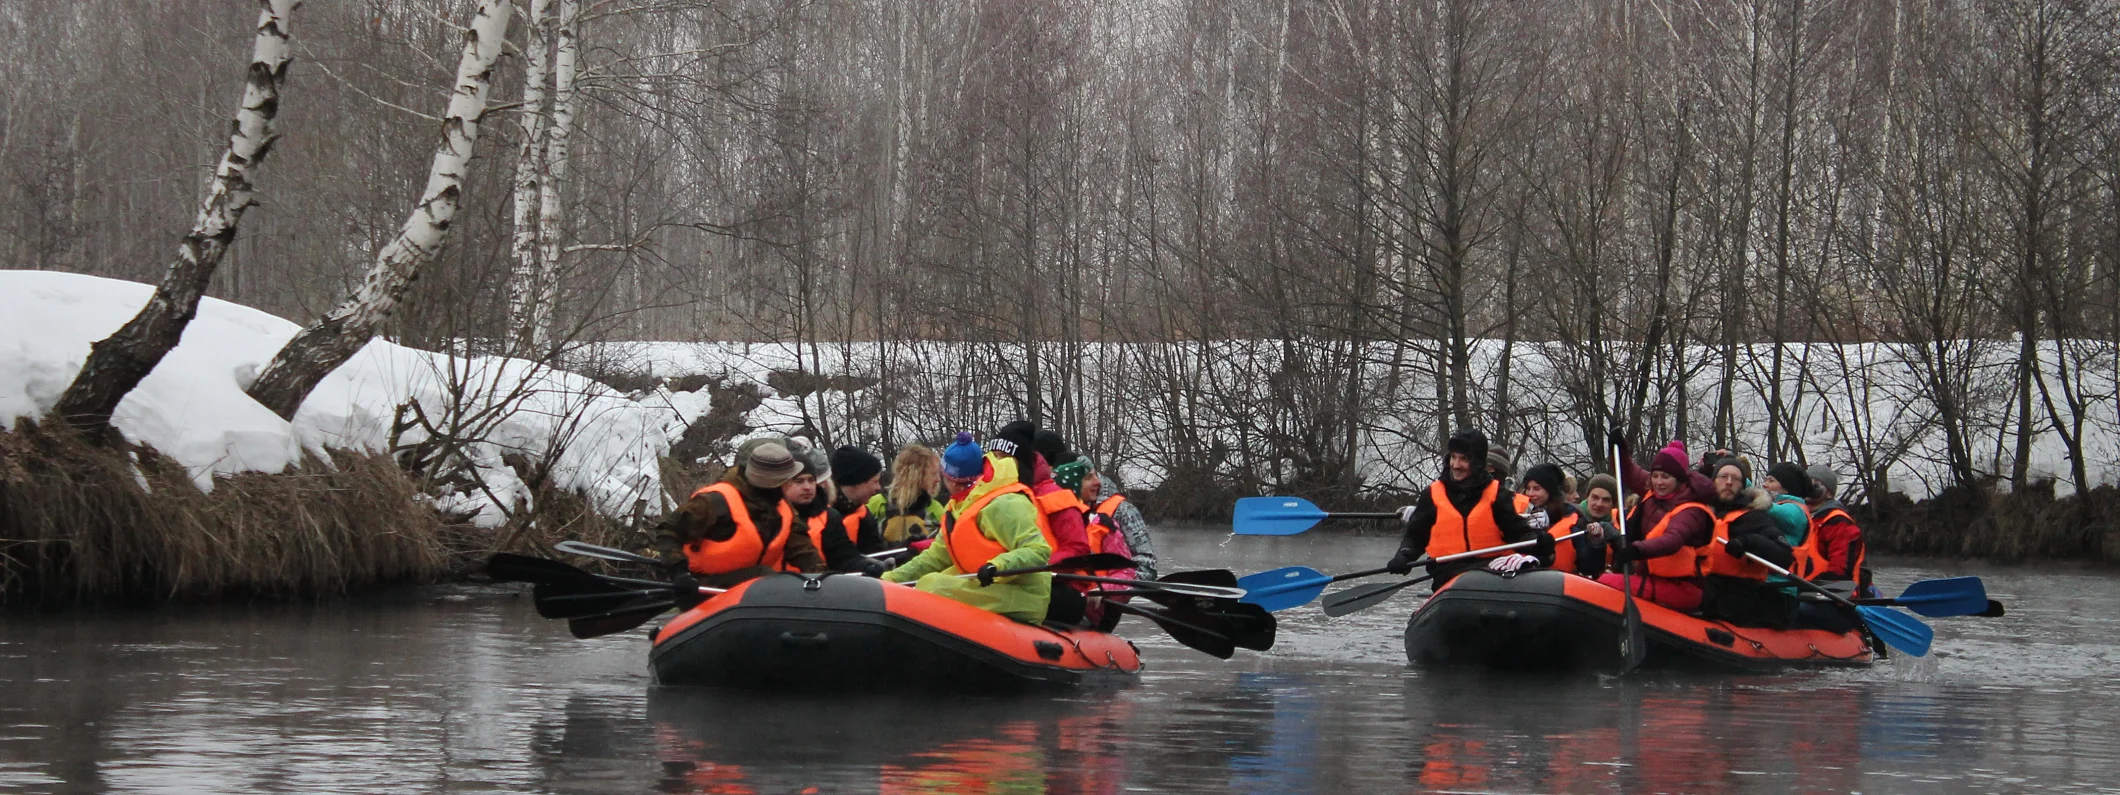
[(342, 332), (117, 363)]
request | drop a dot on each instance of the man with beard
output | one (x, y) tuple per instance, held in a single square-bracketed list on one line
[(1466, 510)]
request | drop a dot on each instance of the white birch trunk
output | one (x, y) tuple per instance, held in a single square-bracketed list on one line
[(117, 363), (342, 332), (555, 177), (523, 291)]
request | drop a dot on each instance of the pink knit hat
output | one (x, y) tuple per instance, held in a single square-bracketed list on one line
[(1671, 460)]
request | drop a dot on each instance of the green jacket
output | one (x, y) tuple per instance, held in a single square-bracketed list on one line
[(1011, 520), (1794, 520)]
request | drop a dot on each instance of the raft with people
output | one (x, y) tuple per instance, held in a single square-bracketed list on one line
[(1545, 619), (856, 634), (779, 580)]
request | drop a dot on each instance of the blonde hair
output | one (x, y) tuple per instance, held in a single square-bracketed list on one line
[(916, 471)]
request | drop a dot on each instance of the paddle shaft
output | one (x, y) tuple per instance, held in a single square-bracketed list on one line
[(1815, 587), (1631, 634), (1378, 595)]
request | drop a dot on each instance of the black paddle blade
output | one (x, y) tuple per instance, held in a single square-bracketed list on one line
[(1363, 597), (1220, 578), (1994, 610), (1199, 638), (1249, 626), (620, 620), (562, 600), (510, 567)]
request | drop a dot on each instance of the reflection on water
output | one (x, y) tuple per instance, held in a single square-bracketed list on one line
[(465, 690)]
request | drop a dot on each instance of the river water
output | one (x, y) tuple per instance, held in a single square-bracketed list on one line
[(464, 689)]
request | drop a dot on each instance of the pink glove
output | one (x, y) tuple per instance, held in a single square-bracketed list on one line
[(1508, 564)]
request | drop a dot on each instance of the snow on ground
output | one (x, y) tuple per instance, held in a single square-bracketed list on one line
[(603, 445), (1849, 403)]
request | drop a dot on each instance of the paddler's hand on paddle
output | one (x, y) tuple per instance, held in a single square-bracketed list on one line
[(873, 568), (684, 590), (1509, 564), (1402, 564), (1737, 547), (986, 574)]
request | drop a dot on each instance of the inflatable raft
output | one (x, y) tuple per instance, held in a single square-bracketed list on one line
[(1547, 619), (854, 634)]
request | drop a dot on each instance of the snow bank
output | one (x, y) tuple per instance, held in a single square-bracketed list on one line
[(1848, 403), (599, 443)]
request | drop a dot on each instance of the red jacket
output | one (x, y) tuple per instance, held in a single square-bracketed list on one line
[(1070, 528), (1840, 542)]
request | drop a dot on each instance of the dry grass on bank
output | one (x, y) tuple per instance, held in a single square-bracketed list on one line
[(81, 523), (2030, 524)]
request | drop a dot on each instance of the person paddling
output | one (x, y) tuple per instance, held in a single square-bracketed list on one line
[(1734, 588), (1077, 474), (739, 527), (991, 524), (1667, 530), (1115, 512), (1544, 488), (1465, 510), (1789, 486)]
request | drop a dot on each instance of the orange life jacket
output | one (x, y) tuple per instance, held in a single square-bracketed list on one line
[(1685, 563), (1811, 555), (1101, 523), (1523, 503), (969, 547), (1455, 532), (817, 525), (853, 522), (1718, 560), (1564, 551), (743, 549)]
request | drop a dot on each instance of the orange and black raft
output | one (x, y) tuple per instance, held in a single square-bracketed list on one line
[(1552, 620), (847, 633)]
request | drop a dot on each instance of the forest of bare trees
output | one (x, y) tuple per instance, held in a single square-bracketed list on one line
[(1683, 208)]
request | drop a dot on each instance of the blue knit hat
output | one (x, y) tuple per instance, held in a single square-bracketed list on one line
[(963, 458)]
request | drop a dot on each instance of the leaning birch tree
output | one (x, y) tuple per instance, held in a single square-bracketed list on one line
[(342, 332), (117, 363)]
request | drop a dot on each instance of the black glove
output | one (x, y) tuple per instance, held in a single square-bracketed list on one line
[(873, 568), (1737, 547), (1544, 549), (684, 590), (986, 574), (1402, 563), (1626, 554), (1617, 437)]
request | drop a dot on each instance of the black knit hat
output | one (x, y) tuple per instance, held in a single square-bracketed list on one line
[(1793, 479), (1012, 437), (853, 466), (1548, 477)]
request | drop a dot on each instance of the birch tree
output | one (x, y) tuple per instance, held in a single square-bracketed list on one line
[(342, 332), (118, 362)]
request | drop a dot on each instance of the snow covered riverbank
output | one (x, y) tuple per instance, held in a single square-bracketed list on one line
[(596, 441)]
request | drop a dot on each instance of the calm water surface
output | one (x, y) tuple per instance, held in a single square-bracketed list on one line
[(466, 690)]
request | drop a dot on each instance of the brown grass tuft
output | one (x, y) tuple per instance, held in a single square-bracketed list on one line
[(85, 523)]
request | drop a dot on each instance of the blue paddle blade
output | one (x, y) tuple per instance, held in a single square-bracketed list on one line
[(1953, 596), (1283, 588), (1898, 630), (1275, 516)]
